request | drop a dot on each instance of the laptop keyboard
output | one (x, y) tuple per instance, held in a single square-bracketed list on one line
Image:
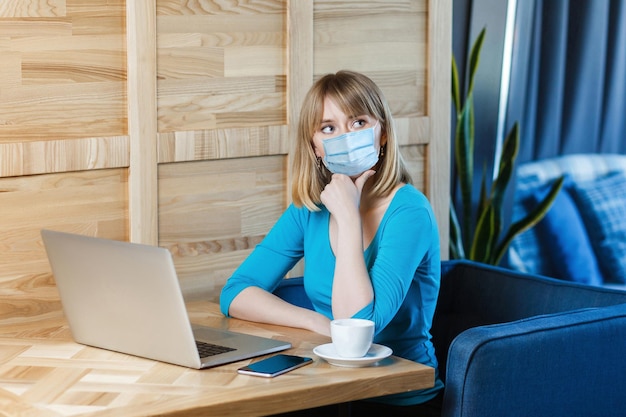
[(208, 349)]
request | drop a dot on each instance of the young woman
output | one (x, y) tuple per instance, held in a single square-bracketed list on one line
[(369, 239)]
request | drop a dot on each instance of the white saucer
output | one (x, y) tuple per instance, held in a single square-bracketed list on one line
[(375, 354)]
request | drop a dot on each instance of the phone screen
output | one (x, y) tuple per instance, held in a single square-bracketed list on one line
[(275, 365)]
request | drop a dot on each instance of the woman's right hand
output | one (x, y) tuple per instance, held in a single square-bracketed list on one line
[(342, 195)]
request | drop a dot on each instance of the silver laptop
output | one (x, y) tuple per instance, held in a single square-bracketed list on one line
[(126, 297)]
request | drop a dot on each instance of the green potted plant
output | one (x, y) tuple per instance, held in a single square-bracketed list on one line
[(477, 233)]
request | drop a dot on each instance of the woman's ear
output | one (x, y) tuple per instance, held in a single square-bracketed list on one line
[(383, 136)]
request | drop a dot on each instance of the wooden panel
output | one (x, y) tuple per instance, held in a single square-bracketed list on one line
[(212, 213), (88, 202), (222, 94), (220, 65), (48, 156), (386, 40), (14, 8), (415, 159), (66, 71), (222, 143), (413, 131)]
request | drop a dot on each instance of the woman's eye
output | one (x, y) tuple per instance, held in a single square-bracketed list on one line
[(359, 123), (327, 129)]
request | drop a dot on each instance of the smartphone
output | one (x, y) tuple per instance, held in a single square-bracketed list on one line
[(275, 365)]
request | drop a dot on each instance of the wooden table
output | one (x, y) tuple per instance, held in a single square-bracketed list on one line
[(44, 373)]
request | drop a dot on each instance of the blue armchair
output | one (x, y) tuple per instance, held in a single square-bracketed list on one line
[(513, 344)]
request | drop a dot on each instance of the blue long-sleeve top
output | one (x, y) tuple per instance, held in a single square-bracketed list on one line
[(403, 262)]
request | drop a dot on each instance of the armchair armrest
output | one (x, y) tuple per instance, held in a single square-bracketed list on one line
[(563, 364)]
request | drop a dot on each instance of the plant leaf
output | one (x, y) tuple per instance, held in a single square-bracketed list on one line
[(456, 240), (507, 163), (474, 59), (456, 89), (482, 244), (483, 201), (529, 220), (464, 158), (509, 152)]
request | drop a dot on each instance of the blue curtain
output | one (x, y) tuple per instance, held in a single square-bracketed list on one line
[(568, 80), (568, 77)]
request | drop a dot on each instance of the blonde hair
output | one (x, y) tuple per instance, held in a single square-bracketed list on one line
[(355, 94)]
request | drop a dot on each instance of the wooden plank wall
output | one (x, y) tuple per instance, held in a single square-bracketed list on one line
[(169, 122)]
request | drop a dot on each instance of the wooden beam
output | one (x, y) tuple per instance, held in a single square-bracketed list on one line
[(142, 121), (438, 161), (300, 71)]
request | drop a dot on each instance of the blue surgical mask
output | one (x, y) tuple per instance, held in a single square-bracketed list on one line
[(351, 153)]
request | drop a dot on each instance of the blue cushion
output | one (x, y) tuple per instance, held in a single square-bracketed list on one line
[(527, 251), (571, 255), (602, 204)]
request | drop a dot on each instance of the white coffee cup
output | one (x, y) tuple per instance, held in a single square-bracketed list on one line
[(352, 338)]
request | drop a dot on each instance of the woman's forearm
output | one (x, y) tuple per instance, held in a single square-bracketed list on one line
[(256, 304), (352, 287)]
